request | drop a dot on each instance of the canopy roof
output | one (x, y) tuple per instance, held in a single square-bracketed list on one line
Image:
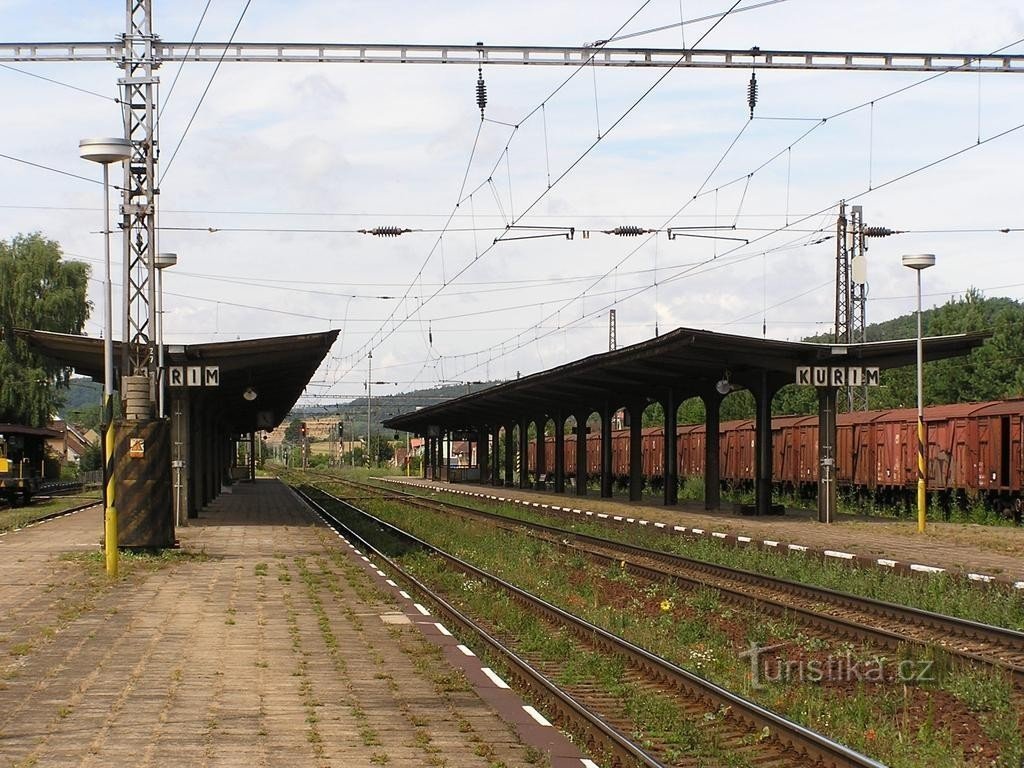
[(278, 368), (686, 360)]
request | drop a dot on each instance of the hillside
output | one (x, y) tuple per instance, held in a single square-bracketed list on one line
[(354, 414)]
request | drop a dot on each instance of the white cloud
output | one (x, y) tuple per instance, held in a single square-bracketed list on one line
[(343, 147)]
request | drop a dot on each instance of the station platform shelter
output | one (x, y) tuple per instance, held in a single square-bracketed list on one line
[(217, 395), (681, 364)]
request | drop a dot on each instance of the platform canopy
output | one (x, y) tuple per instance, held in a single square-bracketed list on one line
[(687, 361), (276, 368)]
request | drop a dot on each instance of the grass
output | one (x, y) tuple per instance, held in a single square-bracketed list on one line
[(879, 719), (19, 517), (942, 593)]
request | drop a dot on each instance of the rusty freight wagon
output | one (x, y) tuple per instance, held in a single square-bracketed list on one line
[(975, 451)]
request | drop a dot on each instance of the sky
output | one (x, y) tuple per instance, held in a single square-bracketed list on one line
[(300, 156)]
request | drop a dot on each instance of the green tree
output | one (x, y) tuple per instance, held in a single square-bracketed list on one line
[(40, 291), (292, 433), (92, 459), (87, 416)]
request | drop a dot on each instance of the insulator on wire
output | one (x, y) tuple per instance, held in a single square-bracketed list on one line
[(430, 334), (752, 93), (878, 231), (384, 231), (481, 91), (628, 230)]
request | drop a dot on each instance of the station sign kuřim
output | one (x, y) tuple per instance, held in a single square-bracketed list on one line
[(837, 376)]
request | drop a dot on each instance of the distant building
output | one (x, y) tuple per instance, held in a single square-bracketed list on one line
[(72, 443)]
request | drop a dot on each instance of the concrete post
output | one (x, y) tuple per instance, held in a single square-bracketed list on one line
[(510, 449), (606, 452), (763, 396), (496, 455), (712, 470), (581, 453), (827, 469), (636, 470), (524, 449), (559, 452), (670, 470), (541, 468)]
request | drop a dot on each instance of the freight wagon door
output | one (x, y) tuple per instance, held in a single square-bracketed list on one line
[(1004, 451)]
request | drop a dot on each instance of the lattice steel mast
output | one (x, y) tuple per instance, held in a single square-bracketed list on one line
[(138, 207), (851, 287)]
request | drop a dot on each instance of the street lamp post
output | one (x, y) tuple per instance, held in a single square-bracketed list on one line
[(163, 261), (919, 262), (369, 401), (105, 152)]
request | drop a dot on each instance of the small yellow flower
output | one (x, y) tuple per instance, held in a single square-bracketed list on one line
[(666, 605)]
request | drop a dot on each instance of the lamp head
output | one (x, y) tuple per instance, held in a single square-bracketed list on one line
[(165, 260), (109, 150), (919, 261), (723, 386), (250, 394)]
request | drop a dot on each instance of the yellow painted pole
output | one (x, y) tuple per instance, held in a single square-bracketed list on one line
[(110, 511), (922, 498)]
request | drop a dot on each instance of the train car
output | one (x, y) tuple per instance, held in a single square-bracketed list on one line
[(22, 461), (975, 450)]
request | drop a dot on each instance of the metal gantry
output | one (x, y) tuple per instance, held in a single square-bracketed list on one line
[(140, 53), (519, 55)]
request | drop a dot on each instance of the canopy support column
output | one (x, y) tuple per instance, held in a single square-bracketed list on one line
[(670, 470), (559, 451), (606, 452)]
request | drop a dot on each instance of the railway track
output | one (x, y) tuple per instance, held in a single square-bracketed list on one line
[(62, 512), (741, 729), (836, 613)]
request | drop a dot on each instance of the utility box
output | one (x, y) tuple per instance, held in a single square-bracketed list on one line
[(142, 473)]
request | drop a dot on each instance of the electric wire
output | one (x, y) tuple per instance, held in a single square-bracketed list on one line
[(583, 155), (681, 24), (856, 196), (369, 346), (61, 83), (184, 60), (823, 121), (206, 90), (51, 170)]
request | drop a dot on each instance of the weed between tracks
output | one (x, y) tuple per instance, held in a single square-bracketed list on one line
[(941, 593), (329, 582), (961, 718)]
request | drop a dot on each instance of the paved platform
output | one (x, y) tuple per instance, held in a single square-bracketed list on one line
[(266, 641), (980, 552)]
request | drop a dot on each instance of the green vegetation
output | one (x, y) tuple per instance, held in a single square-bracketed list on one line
[(19, 517), (904, 723), (38, 290), (942, 593), (994, 371)]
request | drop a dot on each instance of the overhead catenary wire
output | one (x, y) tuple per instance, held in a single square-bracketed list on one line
[(206, 90), (181, 66), (586, 151), (576, 70), (823, 121), (61, 83), (855, 196)]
